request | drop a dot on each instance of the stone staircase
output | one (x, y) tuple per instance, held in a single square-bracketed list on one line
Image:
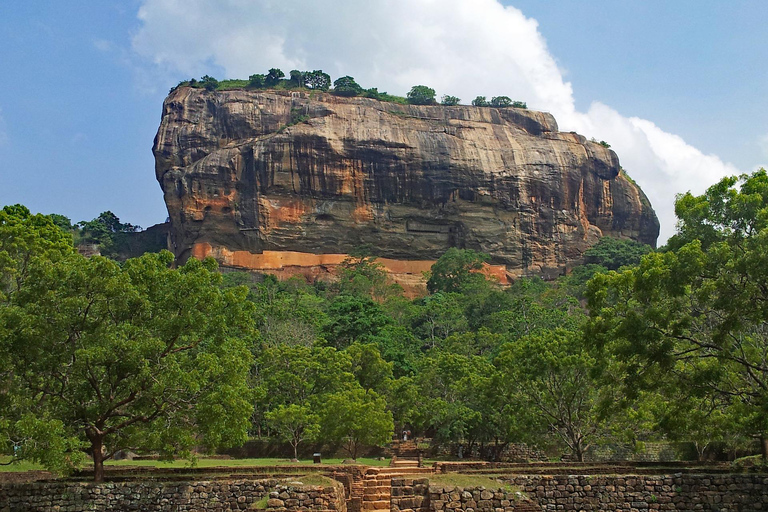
[(406, 454), (377, 484)]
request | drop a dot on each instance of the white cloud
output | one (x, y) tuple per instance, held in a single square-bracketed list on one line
[(461, 47)]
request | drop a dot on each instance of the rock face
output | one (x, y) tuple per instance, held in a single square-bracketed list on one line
[(279, 180)]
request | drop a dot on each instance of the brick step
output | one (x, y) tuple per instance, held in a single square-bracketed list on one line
[(375, 505), (396, 471)]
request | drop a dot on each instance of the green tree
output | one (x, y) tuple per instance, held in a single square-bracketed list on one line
[(257, 81), (370, 369), (25, 240), (421, 95), (501, 101), (697, 312), (297, 78), (613, 253), (294, 423), (480, 101), (519, 104), (449, 100), (273, 77), (346, 86), (353, 318), (140, 357), (548, 375), (439, 315), (451, 396), (457, 271), (209, 83), (357, 418), (318, 80)]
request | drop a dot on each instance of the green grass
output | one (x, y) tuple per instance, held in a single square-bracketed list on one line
[(19, 466), (201, 462), (465, 481)]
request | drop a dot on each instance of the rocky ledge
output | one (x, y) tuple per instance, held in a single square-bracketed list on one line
[(290, 182)]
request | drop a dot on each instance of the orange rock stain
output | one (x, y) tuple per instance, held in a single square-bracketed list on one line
[(286, 264)]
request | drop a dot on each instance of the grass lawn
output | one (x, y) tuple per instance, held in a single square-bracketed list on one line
[(459, 480), (201, 462)]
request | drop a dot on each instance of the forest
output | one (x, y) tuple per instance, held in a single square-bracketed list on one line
[(634, 345)]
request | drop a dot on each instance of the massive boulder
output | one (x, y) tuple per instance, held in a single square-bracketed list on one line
[(291, 182)]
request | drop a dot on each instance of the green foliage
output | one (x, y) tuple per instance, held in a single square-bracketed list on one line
[(353, 318), (257, 81), (209, 83), (139, 357), (548, 379), (317, 80), (613, 253), (696, 313), (480, 101), (346, 86), (294, 423), (501, 101), (25, 241), (421, 95), (449, 100), (356, 418), (457, 271), (273, 77), (374, 93), (519, 104), (297, 78)]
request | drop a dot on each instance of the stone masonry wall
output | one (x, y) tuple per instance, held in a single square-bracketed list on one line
[(218, 495), (722, 493)]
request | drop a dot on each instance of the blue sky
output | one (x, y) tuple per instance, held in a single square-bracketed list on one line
[(678, 87)]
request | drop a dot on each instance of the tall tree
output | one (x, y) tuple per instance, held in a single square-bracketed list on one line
[(457, 270), (421, 95), (699, 311), (140, 357), (357, 418), (346, 86), (548, 378)]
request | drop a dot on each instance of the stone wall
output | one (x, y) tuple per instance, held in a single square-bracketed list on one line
[(216, 495), (722, 493)]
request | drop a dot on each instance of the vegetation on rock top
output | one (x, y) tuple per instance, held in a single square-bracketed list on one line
[(345, 86)]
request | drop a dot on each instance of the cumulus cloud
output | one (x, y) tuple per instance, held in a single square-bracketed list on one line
[(464, 48)]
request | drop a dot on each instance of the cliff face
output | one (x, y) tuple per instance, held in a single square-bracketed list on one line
[(276, 180)]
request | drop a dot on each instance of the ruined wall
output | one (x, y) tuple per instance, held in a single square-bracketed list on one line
[(723, 493), (146, 495)]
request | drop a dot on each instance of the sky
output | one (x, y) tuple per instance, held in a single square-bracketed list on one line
[(677, 88)]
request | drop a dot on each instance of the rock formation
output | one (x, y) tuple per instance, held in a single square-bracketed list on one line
[(284, 181)]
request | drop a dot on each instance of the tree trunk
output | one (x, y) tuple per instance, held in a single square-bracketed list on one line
[(764, 446), (579, 451), (295, 449), (97, 448)]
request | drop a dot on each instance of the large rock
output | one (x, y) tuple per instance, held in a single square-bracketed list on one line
[(276, 180)]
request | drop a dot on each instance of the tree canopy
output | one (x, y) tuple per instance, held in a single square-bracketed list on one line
[(140, 357), (698, 311), (421, 95)]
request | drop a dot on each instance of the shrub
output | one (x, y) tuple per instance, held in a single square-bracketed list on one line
[(209, 83), (421, 95), (501, 101), (480, 101), (449, 100), (346, 86), (273, 77)]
